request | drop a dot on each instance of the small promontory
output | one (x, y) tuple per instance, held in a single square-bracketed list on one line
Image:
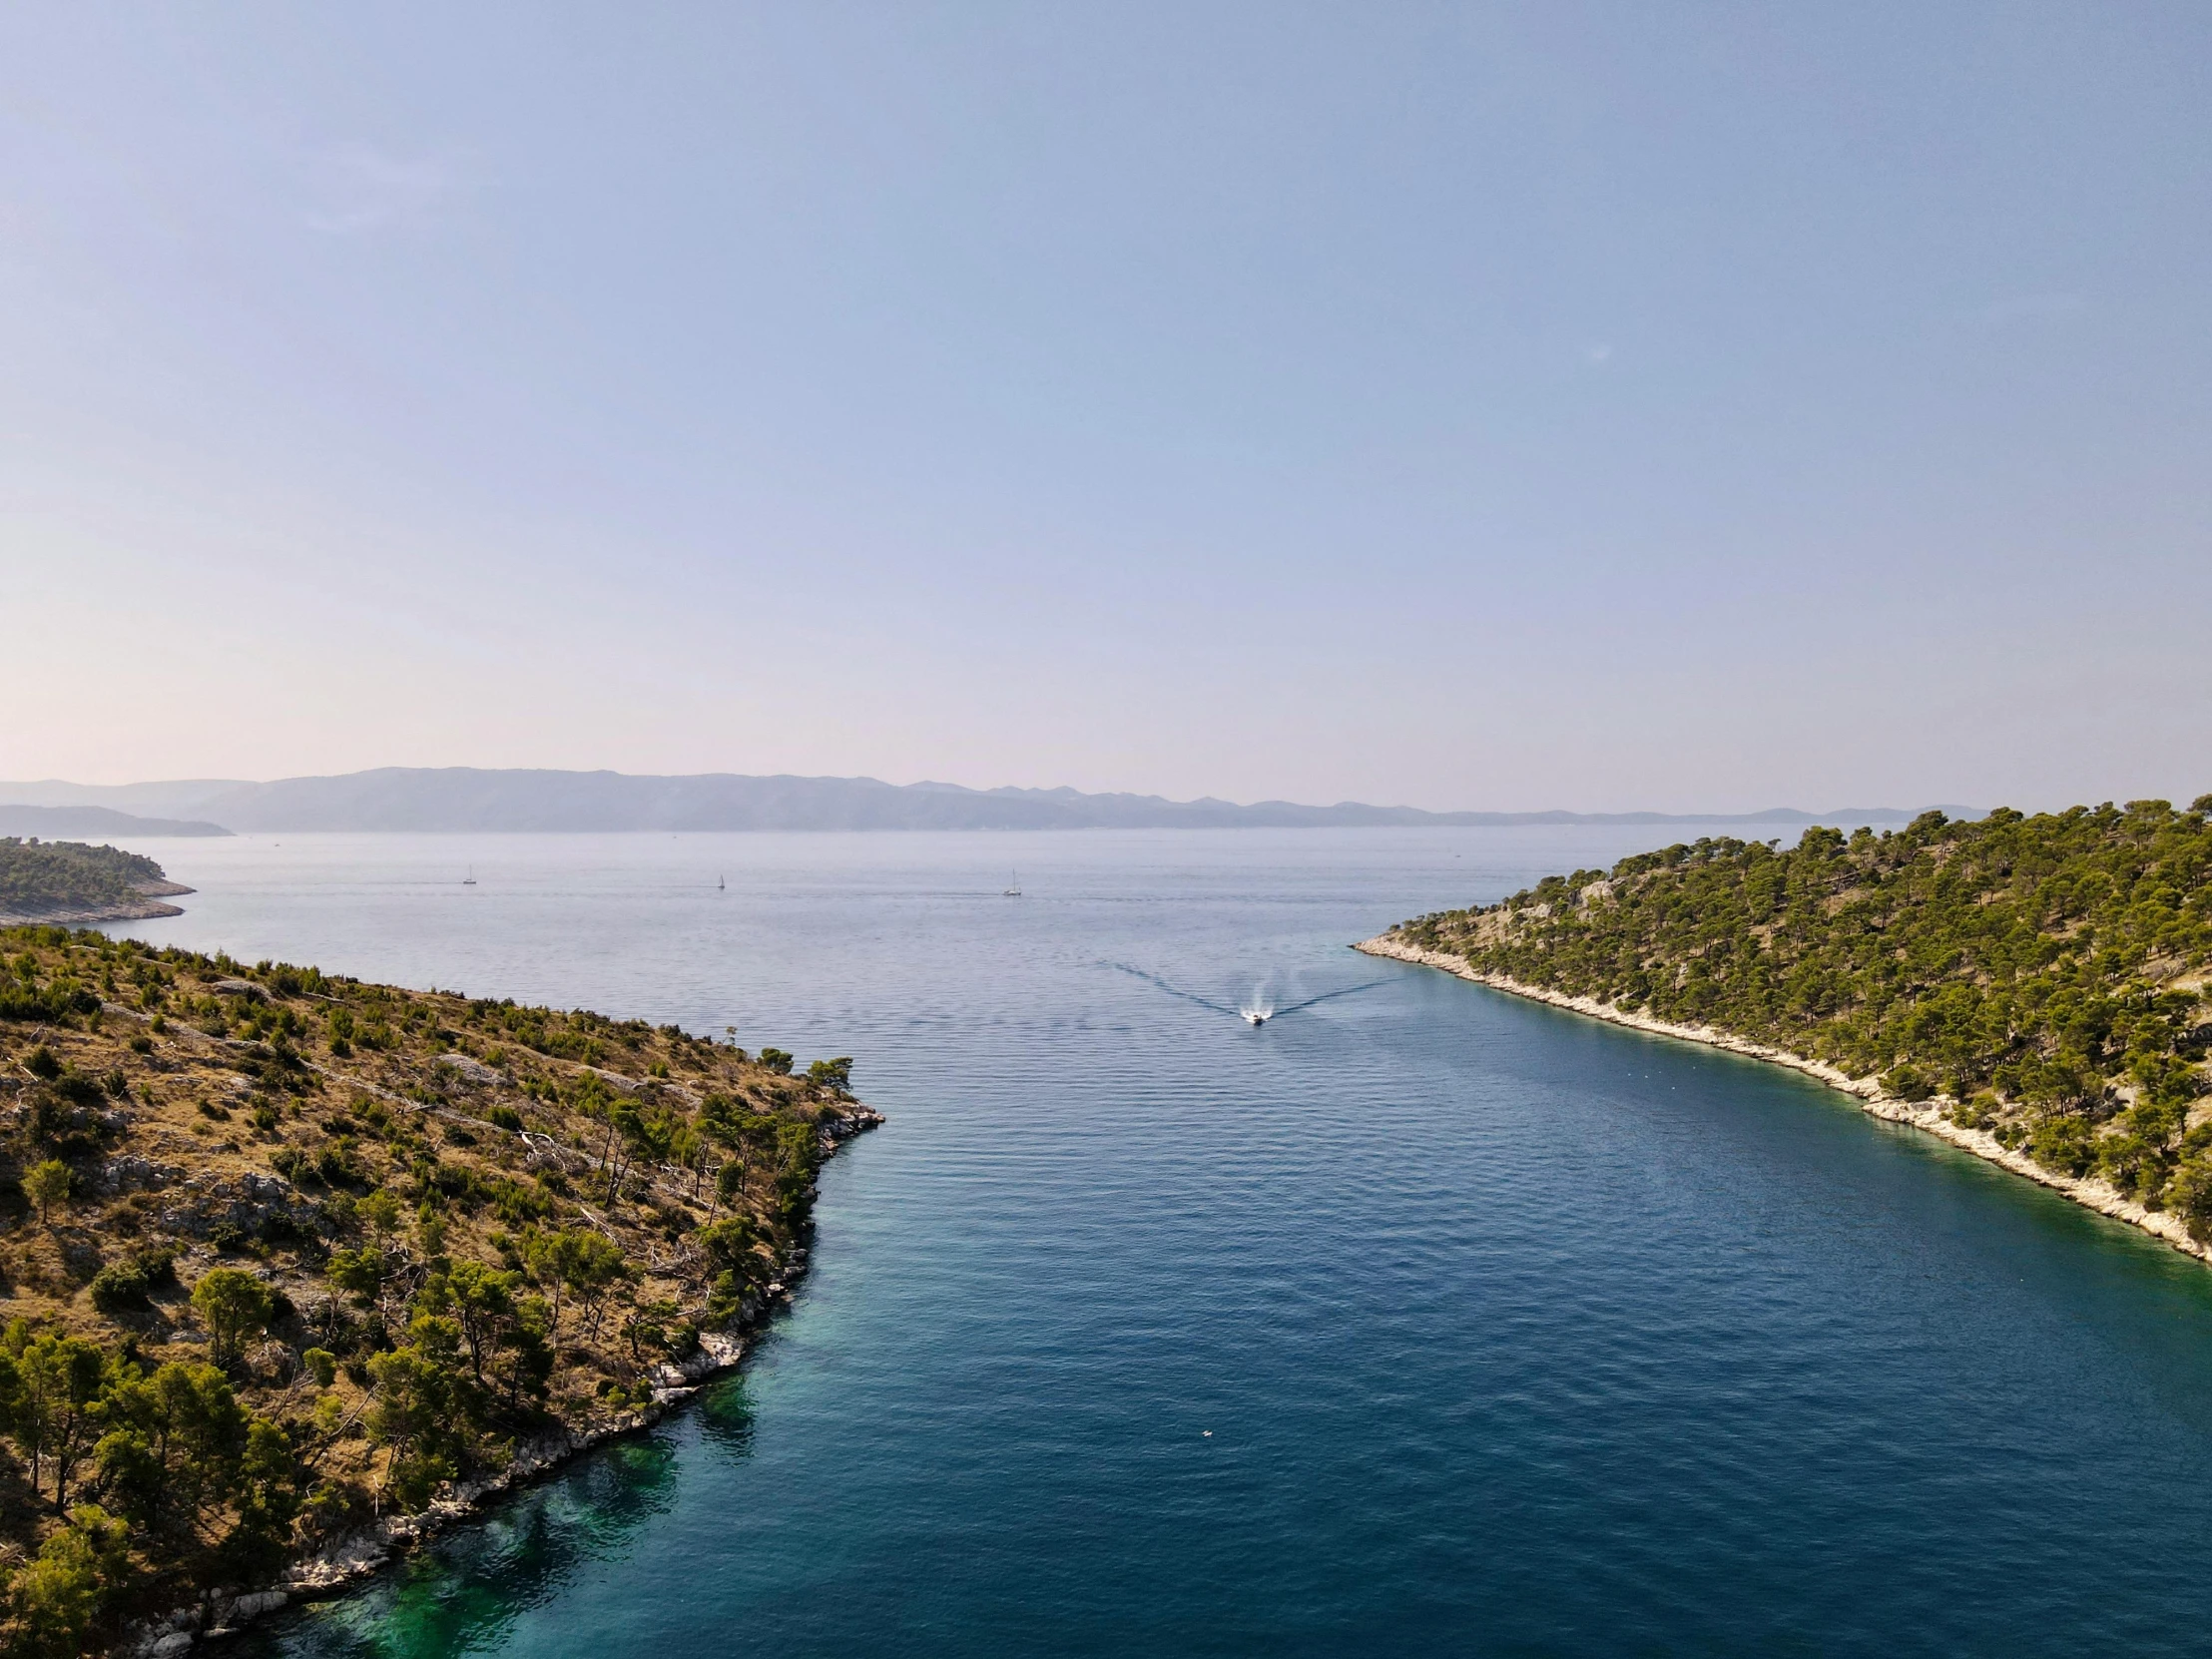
[(69, 882)]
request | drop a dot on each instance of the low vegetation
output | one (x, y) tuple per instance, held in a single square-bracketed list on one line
[(2043, 977), (283, 1252)]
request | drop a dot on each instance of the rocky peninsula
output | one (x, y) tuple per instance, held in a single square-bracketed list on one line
[(2032, 990), (71, 882), (298, 1268)]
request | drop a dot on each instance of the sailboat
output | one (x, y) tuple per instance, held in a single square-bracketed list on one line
[(719, 886), (1014, 890), (469, 880)]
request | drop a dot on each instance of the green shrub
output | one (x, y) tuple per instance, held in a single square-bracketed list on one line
[(2189, 1196), (2064, 1145), (64, 1592), (1907, 1083), (1977, 1112), (236, 1307), (123, 1286), (47, 1185)]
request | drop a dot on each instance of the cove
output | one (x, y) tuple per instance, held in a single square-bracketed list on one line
[(1418, 1318)]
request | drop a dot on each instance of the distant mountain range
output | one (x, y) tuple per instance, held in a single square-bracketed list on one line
[(467, 799)]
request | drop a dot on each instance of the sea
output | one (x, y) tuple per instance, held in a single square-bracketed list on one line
[(1418, 1320)]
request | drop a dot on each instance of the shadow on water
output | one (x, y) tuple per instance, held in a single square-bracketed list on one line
[(467, 1590), (725, 1418)]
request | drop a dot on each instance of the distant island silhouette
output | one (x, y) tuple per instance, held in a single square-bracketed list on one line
[(432, 798)]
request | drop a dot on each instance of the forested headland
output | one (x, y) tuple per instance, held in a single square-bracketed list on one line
[(70, 881), (282, 1253), (2042, 979)]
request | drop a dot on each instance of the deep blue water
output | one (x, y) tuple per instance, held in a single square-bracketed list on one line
[(1421, 1320)]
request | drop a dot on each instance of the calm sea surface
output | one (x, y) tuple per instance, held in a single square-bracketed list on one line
[(1419, 1321)]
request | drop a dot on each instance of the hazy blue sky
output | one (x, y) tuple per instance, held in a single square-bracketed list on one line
[(1638, 406)]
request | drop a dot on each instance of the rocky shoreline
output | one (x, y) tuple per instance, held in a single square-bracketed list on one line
[(147, 906), (1926, 1115), (144, 910), (342, 1563)]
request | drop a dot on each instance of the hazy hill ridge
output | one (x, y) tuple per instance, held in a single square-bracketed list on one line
[(460, 799), (81, 823), (2038, 982)]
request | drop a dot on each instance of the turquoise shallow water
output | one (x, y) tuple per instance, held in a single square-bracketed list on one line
[(1421, 1320)]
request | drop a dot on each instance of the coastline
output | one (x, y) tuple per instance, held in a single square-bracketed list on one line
[(146, 907), (342, 1563), (1926, 1115)]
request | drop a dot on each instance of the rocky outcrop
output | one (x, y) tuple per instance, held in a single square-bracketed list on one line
[(471, 1070), (845, 1121), (250, 1203), (133, 1174)]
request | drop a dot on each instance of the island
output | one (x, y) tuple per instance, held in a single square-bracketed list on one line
[(2030, 988), (69, 882), (296, 1267)]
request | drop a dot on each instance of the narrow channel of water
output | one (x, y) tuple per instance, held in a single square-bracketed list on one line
[(1416, 1320)]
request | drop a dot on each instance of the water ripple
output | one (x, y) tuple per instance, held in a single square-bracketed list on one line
[(1427, 1320)]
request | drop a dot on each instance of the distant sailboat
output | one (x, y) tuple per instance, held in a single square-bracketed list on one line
[(1014, 890), (469, 880), (719, 885)]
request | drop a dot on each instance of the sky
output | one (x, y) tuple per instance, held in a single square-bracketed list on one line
[(1591, 406)]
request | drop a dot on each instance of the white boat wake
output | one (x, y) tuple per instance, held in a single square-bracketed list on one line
[(1257, 1008)]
